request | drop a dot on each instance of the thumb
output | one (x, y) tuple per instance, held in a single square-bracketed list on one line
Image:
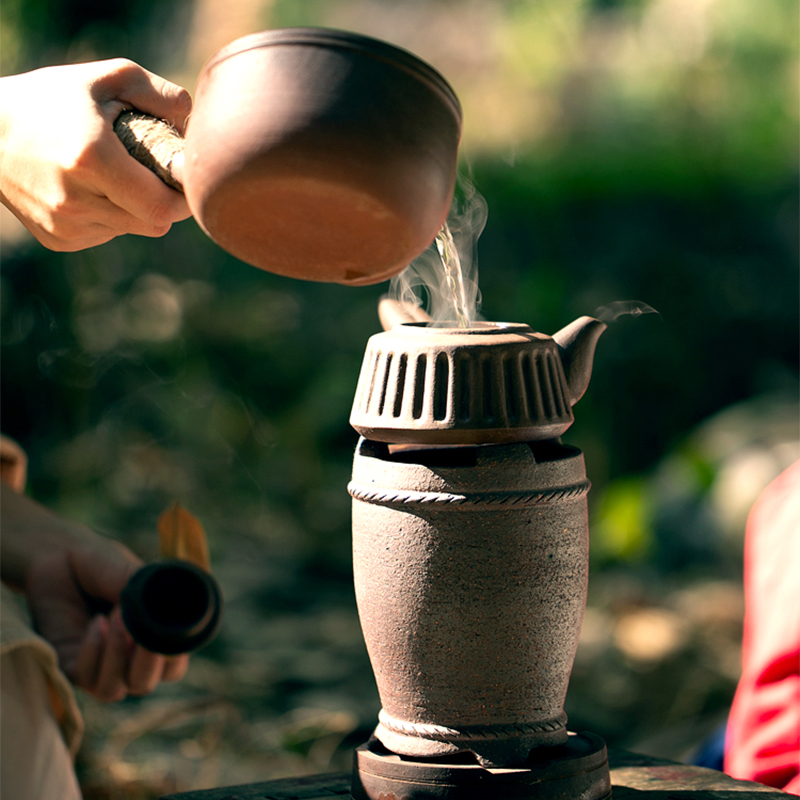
[(103, 570), (132, 85)]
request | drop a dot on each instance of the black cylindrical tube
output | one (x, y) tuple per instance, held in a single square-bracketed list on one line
[(171, 607)]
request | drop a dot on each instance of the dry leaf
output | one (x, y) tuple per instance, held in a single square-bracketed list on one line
[(182, 536)]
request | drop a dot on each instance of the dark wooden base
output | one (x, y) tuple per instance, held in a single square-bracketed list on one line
[(578, 768), (633, 777), (314, 787)]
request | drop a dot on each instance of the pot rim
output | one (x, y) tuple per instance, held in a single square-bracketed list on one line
[(478, 328), (344, 40)]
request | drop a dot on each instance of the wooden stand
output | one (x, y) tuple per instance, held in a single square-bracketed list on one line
[(631, 776)]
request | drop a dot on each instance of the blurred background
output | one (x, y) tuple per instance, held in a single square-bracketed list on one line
[(627, 150)]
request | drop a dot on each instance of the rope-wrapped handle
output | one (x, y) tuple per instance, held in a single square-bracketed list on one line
[(154, 143)]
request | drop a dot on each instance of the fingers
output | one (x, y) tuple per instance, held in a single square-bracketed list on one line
[(96, 221), (90, 655), (175, 668), (148, 669), (152, 206), (145, 672), (62, 241), (110, 666), (111, 683), (102, 568), (143, 203)]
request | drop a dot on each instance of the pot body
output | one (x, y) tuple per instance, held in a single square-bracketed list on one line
[(490, 383), (471, 569), (321, 154)]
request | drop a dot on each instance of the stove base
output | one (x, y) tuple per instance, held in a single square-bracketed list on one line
[(577, 769)]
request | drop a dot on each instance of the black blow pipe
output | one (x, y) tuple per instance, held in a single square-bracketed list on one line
[(171, 607)]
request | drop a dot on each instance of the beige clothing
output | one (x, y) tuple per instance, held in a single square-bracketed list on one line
[(40, 724)]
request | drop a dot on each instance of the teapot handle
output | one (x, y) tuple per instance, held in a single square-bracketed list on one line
[(393, 312)]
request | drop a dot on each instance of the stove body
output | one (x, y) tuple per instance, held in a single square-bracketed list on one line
[(471, 546)]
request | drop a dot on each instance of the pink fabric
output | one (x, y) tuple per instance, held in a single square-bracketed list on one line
[(763, 739)]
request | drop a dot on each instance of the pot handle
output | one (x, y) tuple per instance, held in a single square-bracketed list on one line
[(395, 312), (154, 143)]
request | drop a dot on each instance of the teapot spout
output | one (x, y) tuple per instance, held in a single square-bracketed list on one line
[(577, 344)]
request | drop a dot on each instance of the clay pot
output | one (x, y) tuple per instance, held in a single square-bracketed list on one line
[(492, 382), (320, 154), (471, 568)]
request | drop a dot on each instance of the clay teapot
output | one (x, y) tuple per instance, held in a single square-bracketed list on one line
[(490, 383)]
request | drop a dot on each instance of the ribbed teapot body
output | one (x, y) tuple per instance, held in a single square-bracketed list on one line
[(489, 383), (471, 569)]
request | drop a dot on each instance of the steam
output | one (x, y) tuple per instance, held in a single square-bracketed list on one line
[(444, 279), (620, 308)]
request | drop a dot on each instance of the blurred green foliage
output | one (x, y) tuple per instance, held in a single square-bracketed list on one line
[(666, 173), (40, 33), (624, 530)]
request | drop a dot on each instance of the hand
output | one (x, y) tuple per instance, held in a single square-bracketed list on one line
[(63, 171), (95, 652), (66, 570)]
